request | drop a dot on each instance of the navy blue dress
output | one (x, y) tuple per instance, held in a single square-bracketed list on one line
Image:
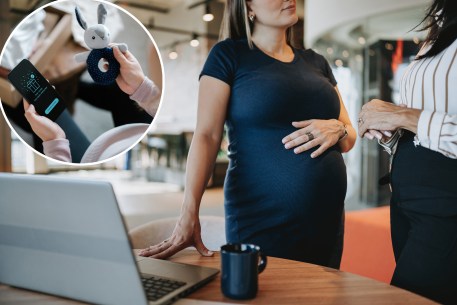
[(290, 205)]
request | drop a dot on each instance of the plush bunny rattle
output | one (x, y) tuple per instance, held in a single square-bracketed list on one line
[(97, 38)]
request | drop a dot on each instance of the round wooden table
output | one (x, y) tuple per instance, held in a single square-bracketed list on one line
[(282, 282), (292, 282)]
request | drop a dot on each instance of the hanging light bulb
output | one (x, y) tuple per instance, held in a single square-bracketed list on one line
[(173, 54), (194, 42), (338, 63), (208, 16), (362, 40)]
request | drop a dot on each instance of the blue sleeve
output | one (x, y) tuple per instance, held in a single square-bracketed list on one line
[(327, 71), (221, 62)]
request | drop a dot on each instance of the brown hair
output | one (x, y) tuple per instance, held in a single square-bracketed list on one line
[(441, 21), (236, 25)]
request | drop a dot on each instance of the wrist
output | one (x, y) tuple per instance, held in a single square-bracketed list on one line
[(408, 119), (139, 81), (189, 208), (53, 137), (342, 132)]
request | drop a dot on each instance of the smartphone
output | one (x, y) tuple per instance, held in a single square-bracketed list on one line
[(36, 90)]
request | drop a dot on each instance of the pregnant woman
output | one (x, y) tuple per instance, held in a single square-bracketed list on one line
[(287, 126)]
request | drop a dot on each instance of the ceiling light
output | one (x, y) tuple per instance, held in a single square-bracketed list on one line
[(345, 53), (208, 16), (194, 42), (338, 63), (330, 51), (173, 55)]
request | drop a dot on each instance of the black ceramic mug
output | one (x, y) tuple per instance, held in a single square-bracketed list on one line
[(240, 266)]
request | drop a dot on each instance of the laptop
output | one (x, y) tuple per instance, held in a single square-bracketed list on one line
[(67, 237)]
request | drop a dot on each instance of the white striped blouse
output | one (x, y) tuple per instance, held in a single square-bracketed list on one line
[(430, 84)]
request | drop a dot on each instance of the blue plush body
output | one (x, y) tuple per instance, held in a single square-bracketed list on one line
[(100, 77)]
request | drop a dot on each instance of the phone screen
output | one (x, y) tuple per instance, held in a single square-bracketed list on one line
[(36, 90)]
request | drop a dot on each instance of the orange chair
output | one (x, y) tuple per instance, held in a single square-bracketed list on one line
[(368, 245)]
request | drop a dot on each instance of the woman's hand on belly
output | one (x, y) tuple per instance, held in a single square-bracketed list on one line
[(187, 233), (312, 133)]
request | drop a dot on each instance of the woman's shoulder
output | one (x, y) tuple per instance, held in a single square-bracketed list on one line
[(228, 50), (230, 45), (311, 55)]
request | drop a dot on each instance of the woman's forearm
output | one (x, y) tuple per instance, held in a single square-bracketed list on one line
[(200, 163)]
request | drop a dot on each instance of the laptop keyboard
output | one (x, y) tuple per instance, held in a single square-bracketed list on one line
[(157, 287)]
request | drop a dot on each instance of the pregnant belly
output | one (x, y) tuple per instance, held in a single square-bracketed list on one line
[(277, 181)]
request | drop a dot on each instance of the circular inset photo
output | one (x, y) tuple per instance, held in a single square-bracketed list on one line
[(80, 81)]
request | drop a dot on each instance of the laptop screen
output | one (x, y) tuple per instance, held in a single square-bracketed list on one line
[(66, 237)]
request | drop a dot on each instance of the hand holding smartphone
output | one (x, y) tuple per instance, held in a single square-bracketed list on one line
[(36, 90)]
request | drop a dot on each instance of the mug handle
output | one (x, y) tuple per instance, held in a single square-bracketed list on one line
[(262, 263)]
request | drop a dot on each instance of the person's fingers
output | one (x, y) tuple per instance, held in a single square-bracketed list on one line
[(362, 129), (297, 141), (129, 55), (32, 109), (120, 57), (296, 134), (167, 253), (28, 115), (302, 124), (307, 146), (26, 104), (31, 114), (153, 250), (375, 134), (202, 248), (387, 133), (320, 150), (369, 136)]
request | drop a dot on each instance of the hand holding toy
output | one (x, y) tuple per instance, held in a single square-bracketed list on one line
[(97, 38)]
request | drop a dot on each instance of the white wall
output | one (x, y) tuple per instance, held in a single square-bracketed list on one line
[(325, 15)]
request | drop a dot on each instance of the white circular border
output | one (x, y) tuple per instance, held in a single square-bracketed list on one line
[(161, 95)]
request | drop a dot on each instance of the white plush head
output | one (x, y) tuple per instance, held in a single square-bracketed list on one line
[(96, 36)]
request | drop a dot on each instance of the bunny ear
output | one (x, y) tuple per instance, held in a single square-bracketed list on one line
[(101, 14), (80, 18)]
